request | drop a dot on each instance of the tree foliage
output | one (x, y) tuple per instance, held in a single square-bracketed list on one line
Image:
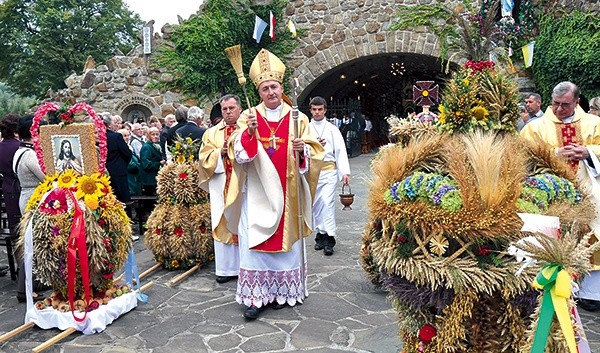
[(11, 102), (567, 49), (197, 58), (44, 41)]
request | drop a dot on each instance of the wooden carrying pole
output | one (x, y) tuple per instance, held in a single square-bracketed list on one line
[(295, 85), (16, 331), (234, 54), (143, 274), (182, 276), (54, 340)]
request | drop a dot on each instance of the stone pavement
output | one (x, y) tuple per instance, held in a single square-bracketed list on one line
[(344, 312)]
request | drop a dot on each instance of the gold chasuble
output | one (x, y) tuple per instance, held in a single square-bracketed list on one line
[(271, 180), (213, 140), (583, 130)]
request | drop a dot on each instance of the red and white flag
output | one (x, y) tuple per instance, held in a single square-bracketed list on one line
[(272, 26)]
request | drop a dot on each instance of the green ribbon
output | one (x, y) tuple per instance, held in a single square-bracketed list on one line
[(556, 283)]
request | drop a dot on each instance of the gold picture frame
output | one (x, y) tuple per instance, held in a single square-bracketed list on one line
[(69, 147)]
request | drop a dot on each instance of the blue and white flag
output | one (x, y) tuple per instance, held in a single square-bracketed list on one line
[(259, 27)]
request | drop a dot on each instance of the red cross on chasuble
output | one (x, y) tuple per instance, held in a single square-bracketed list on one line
[(274, 138), (568, 135)]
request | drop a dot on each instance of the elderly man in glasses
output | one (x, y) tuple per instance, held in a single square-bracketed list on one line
[(574, 135)]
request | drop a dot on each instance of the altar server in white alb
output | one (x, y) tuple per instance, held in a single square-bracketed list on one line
[(335, 168)]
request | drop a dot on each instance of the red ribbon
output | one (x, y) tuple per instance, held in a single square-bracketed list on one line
[(77, 246)]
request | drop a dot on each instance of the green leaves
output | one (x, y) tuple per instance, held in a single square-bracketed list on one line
[(197, 58), (45, 40), (567, 49)]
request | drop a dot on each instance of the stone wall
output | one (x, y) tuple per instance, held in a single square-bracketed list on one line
[(121, 79)]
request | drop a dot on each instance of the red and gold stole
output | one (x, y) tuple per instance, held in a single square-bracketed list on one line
[(274, 138), (570, 133), (228, 130)]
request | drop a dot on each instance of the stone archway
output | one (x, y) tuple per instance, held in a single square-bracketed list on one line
[(137, 106), (316, 63)]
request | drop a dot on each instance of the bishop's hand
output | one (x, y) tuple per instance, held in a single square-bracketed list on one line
[(252, 123), (298, 144)]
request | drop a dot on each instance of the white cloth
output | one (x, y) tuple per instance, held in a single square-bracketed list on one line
[(267, 277), (368, 125), (335, 151), (227, 259)]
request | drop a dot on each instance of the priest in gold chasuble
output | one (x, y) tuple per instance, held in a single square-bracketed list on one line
[(575, 135), (217, 168), (266, 175)]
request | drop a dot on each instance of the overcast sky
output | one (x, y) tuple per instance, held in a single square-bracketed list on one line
[(162, 11)]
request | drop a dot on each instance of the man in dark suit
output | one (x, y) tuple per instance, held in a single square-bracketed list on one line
[(181, 117), (117, 159), (192, 127)]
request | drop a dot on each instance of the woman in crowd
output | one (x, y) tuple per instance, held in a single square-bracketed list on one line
[(133, 169), (151, 161)]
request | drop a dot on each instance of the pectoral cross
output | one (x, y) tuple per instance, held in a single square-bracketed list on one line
[(274, 140)]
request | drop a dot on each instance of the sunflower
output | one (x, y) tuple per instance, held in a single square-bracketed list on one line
[(67, 179), (105, 180), (89, 186), (180, 158), (480, 113)]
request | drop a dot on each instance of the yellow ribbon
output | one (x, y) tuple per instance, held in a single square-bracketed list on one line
[(556, 283)]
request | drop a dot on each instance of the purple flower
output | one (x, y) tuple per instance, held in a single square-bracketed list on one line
[(443, 190)]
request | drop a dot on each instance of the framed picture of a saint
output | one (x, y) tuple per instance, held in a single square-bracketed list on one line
[(72, 147)]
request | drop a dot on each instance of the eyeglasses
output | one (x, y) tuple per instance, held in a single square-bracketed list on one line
[(562, 105)]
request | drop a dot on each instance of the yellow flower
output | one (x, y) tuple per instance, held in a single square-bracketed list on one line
[(442, 118), (188, 140), (177, 145), (67, 179), (105, 180), (480, 113), (92, 203), (89, 186), (180, 159), (466, 81)]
